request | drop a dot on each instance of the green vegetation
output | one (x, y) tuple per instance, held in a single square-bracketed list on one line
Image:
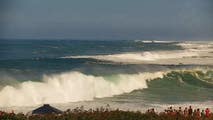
[(104, 114)]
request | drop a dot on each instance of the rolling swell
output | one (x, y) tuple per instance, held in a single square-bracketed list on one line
[(180, 86), (194, 78)]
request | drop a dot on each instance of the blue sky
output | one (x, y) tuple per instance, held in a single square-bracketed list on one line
[(106, 19)]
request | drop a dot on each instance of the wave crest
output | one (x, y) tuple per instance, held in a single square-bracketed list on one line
[(72, 87)]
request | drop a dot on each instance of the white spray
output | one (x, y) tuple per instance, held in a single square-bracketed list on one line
[(72, 87)]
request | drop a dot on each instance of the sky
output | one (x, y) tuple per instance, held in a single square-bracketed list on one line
[(106, 19)]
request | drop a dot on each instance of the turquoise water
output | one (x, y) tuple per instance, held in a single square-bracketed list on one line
[(181, 86)]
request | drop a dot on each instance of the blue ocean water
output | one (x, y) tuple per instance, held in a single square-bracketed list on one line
[(51, 71), (32, 49), (37, 57)]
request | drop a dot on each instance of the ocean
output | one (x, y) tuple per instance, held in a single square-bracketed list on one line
[(125, 74)]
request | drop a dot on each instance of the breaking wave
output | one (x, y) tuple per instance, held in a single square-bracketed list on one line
[(76, 86), (137, 57), (191, 54), (72, 87)]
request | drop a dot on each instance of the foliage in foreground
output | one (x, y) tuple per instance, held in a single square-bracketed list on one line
[(99, 114)]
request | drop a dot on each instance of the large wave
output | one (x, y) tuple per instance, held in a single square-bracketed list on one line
[(72, 87), (76, 86)]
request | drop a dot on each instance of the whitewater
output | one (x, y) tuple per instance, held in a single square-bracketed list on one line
[(62, 88), (192, 53), (130, 75)]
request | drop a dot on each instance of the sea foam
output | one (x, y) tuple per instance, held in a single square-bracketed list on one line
[(72, 87), (140, 57), (190, 54)]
